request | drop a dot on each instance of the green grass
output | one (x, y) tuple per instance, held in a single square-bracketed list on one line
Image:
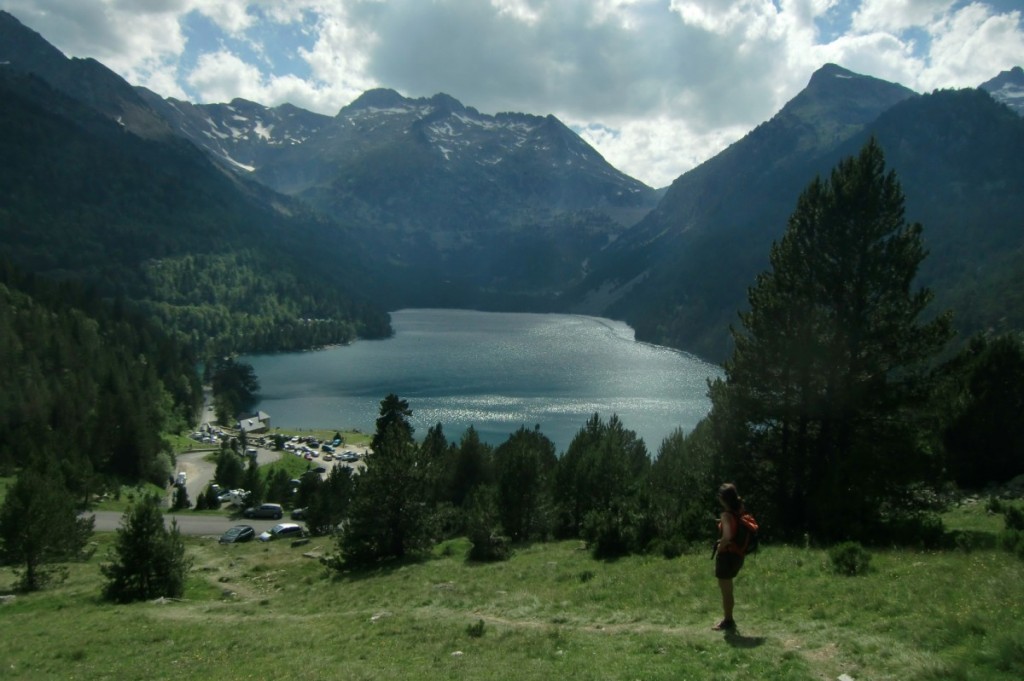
[(181, 442), (127, 495), (269, 611), (293, 465), (972, 516)]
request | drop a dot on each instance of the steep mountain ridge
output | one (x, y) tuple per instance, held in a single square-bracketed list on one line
[(680, 276), (674, 275), (87, 80)]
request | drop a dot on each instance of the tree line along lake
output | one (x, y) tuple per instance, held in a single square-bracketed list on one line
[(495, 372)]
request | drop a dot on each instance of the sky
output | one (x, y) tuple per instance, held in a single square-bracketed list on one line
[(656, 86)]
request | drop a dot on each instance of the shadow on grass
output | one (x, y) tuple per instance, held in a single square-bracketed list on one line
[(738, 640)]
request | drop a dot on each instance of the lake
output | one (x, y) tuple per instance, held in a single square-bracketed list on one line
[(494, 371)]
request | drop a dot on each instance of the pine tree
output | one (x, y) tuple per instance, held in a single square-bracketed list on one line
[(181, 500), (229, 472), (390, 517), (605, 466), (252, 481), (525, 470), (818, 409), (148, 560), (394, 411), (330, 502), (984, 437), (471, 467), (39, 528), (682, 487)]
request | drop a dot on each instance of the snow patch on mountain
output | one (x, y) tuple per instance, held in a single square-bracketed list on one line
[(1008, 88)]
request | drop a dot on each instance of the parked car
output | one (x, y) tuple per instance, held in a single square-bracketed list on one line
[(282, 531), (264, 511), (238, 534), (298, 514), (235, 497)]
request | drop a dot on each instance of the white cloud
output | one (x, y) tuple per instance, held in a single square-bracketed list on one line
[(897, 15), (517, 9), (231, 15), (222, 76), (340, 55), (656, 148), (656, 86), (973, 45)]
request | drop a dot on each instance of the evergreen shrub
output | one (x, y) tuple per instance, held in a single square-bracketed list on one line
[(849, 558)]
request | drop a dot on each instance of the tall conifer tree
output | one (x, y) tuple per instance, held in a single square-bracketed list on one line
[(389, 516), (818, 409), (148, 559), (40, 528)]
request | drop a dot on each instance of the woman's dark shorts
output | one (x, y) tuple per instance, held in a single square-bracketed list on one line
[(727, 565)]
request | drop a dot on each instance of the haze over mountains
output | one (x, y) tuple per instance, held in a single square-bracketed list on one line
[(398, 202)]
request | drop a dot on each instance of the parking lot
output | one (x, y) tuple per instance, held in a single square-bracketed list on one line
[(199, 471)]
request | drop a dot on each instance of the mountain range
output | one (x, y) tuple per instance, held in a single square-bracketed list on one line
[(427, 202), (457, 203)]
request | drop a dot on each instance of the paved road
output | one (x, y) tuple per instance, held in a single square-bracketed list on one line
[(190, 523)]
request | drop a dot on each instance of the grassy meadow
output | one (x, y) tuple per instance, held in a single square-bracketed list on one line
[(272, 611)]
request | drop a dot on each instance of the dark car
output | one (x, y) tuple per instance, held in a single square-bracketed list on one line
[(238, 534), (264, 511)]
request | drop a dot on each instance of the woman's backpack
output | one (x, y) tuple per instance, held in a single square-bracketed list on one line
[(746, 533)]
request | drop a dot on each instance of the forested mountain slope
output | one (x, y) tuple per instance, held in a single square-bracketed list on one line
[(224, 262), (88, 388), (680, 276)]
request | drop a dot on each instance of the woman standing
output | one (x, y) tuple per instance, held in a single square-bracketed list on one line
[(729, 556)]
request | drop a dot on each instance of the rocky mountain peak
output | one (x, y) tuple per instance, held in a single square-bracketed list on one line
[(1008, 88), (378, 98), (446, 103), (20, 46)]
